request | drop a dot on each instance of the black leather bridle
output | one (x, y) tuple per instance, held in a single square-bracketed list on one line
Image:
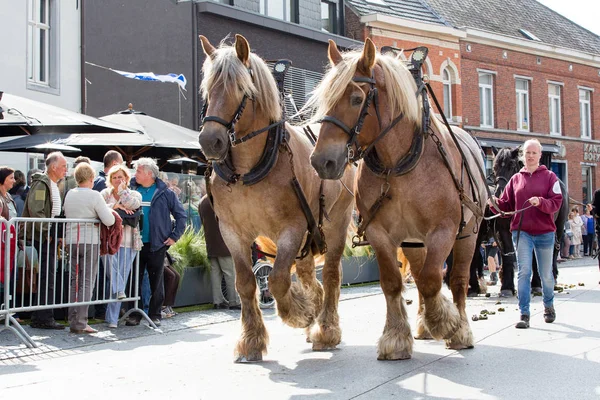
[(230, 126)]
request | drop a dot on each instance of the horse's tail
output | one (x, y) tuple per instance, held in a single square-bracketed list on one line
[(269, 249)]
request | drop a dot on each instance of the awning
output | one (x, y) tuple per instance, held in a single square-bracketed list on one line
[(501, 143)]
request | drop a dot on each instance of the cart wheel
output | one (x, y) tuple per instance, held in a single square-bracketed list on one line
[(261, 270)]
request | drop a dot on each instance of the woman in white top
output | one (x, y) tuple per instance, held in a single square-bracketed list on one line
[(82, 240), (119, 197), (576, 226)]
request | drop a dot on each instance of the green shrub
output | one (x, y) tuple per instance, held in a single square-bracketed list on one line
[(190, 251)]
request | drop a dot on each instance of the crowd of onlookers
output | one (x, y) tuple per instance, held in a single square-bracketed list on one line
[(579, 233)]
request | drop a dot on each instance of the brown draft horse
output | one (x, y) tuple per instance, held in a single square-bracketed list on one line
[(422, 210), (270, 207)]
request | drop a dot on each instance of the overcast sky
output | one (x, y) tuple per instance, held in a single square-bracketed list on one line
[(583, 12)]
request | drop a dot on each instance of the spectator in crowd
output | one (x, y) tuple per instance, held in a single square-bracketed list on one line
[(18, 191), (588, 239), (576, 227), (172, 279), (83, 241), (70, 181), (174, 184), (533, 229), (43, 201), (119, 196), (221, 262), (492, 252), (158, 232), (111, 158), (8, 208)]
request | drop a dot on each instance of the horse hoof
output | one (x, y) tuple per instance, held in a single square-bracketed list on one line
[(424, 337), (242, 359), (398, 355), (323, 347), (458, 346)]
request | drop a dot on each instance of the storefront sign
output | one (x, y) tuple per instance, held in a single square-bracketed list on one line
[(591, 152)]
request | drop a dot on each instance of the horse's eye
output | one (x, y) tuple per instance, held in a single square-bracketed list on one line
[(356, 100)]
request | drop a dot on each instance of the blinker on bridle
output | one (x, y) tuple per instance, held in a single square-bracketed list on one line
[(372, 96)]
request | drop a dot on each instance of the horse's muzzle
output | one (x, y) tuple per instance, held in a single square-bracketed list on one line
[(214, 144), (328, 167)]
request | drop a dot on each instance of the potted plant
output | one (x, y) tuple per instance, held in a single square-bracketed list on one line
[(191, 261), (359, 265)]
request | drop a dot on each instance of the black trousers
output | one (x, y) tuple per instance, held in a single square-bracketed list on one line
[(47, 252), (153, 262)]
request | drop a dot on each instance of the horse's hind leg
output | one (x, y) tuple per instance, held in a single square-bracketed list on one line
[(294, 306), (307, 274), (441, 317), (459, 280), (422, 333), (396, 342), (326, 333), (254, 338)]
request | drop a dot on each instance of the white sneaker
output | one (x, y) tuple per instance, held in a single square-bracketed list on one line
[(112, 326), (121, 296)]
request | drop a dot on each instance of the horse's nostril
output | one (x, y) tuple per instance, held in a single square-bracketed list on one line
[(330, 165), (218, 146)]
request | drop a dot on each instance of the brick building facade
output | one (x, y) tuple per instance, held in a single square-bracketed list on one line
[(509, 75)]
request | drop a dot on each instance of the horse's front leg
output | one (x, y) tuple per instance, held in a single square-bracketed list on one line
[(295, 306), (307, 275), (396, 342), (254, 338)]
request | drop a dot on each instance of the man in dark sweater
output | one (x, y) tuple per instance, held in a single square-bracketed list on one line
[(221, 261)]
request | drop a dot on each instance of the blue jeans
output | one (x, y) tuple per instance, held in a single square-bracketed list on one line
[(543, 246), (119, 266)]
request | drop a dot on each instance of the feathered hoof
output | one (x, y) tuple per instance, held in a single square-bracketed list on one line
[(442, 319), (250, 358), (462, 339), (325, 337), (300, 311), (422, 331), (394, 347)]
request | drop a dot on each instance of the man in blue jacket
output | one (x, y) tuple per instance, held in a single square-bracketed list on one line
[(158, 231)]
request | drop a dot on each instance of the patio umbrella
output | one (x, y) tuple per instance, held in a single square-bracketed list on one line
[(22, 116), (153, 138), (167, 139), (50, 147)]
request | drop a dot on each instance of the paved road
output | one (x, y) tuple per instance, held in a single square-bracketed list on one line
[(193, 358)]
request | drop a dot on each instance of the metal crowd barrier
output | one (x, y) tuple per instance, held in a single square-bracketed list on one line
[(42, 270)]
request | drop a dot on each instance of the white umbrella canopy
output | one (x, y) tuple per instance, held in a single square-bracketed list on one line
[(162, 133), (22, 116)]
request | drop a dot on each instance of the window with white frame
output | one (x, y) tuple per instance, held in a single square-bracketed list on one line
[(280, 9), (554, 108), (486, 99), (38, 46), (585, 113), (42, 45), (447, 82), (329, 16), (522, 89)]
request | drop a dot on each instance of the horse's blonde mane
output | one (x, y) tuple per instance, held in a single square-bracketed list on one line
[(225, 67), (400, 86)]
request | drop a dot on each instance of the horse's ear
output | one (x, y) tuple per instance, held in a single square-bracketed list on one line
[(495, 151), (367, 60), (208, 48), (335, 57), (242, 48), (514, 153)]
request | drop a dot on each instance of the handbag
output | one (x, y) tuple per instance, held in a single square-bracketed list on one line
[(134, 220)]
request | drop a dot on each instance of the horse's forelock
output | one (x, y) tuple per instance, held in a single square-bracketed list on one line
[(400, 86), (225, 67)]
